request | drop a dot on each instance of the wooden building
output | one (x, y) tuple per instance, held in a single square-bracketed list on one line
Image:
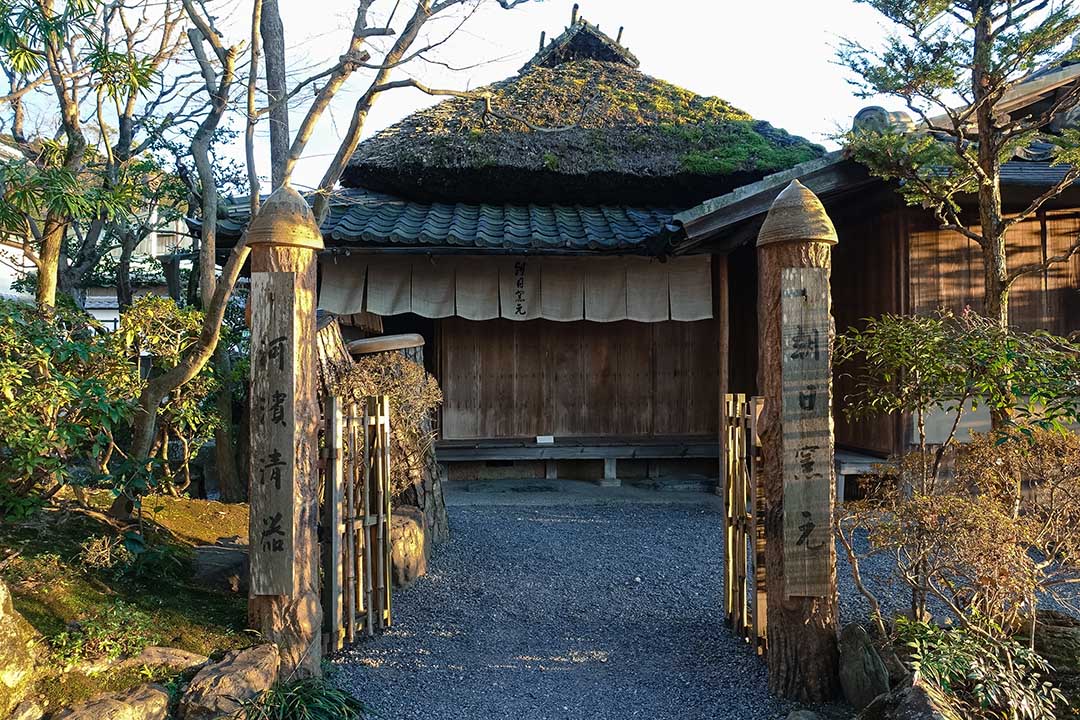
[(576, 248), (525, 237), (894, 258)]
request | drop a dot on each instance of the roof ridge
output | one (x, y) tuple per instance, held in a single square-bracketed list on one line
[(608, 49)]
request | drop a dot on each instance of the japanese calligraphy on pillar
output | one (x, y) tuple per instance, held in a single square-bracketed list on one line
[(273, 437), (807, 431)]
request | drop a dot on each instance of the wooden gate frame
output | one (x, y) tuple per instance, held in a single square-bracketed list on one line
[(744, 520), (355, 520)]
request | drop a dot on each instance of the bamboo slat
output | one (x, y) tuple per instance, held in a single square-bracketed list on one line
[(744, 588)]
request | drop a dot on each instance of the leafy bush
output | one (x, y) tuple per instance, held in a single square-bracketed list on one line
[(987, 677), (119, 630), (1042, 473), (307, 699), (64, 392), (68, 393), (414, 395), (156, 328), (962, 539)]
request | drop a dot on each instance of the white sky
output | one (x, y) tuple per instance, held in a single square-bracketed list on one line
[(773, 58)]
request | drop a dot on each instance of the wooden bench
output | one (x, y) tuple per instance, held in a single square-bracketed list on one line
[(608, 449)]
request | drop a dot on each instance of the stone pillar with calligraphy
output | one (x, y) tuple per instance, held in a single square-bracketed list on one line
[(284, 598), (795, 332)]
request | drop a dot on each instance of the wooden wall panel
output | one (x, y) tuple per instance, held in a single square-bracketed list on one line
[(671, 410), (896, 259), (946, 270), (506, 379), (601, 354), (567, 386), (459, 369), (867, 280), (527, 377), (635, 351)]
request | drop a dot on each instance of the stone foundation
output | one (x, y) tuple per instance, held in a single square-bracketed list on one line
[(410, 546)]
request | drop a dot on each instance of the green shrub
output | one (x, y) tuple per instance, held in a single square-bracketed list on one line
[(64, 391), (157, 327), (975, 545), (987, 677), (118, 630), (307, 699)]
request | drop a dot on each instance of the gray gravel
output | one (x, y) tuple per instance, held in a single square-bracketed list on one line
[(598, 611), (577, 610)]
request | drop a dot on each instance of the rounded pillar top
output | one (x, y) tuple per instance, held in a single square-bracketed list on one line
[(285, 219), (797, 216)]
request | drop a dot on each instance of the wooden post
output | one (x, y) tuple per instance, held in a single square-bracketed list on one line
[(794, 375), (722, 305), (333, 524), (284, 604)]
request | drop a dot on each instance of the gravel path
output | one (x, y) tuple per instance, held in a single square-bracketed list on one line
[(572, 602), (592, 611)]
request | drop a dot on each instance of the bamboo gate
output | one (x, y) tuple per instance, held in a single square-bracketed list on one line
[(744, 520), (355, 519)]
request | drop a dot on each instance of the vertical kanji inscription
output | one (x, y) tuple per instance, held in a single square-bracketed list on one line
[(807, 431), (274, 442)]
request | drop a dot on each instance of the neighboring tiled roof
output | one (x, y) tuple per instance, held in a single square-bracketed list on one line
[(1041, 174), (828, 175), (361, 218)]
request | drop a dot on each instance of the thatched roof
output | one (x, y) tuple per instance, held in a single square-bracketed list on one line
[(633, 139)]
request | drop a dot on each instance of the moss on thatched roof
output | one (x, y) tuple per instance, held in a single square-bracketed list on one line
[(632, 139)]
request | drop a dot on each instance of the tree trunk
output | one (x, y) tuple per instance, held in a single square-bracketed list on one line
[(995, 292), (229, 481), (995, 284), (124, 293), (273, 38), (802, 652), (52, 242)]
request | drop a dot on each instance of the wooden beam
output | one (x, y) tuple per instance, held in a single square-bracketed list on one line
[(730, 210), (721, 298), (572, 452)]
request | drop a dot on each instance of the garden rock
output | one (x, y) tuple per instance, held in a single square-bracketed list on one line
[(219, 688), (898, 671), (165, 657), (409, 554), (145, 702), (915, 701), (803, 715), (1057, 639), (222, 566), (17, 641), (27, 710), (863, 675)]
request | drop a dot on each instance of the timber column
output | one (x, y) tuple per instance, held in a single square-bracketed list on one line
[(284, 597), (794, 251)]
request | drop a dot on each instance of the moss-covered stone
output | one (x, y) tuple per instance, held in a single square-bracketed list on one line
[(61, 596), (18, 642)]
